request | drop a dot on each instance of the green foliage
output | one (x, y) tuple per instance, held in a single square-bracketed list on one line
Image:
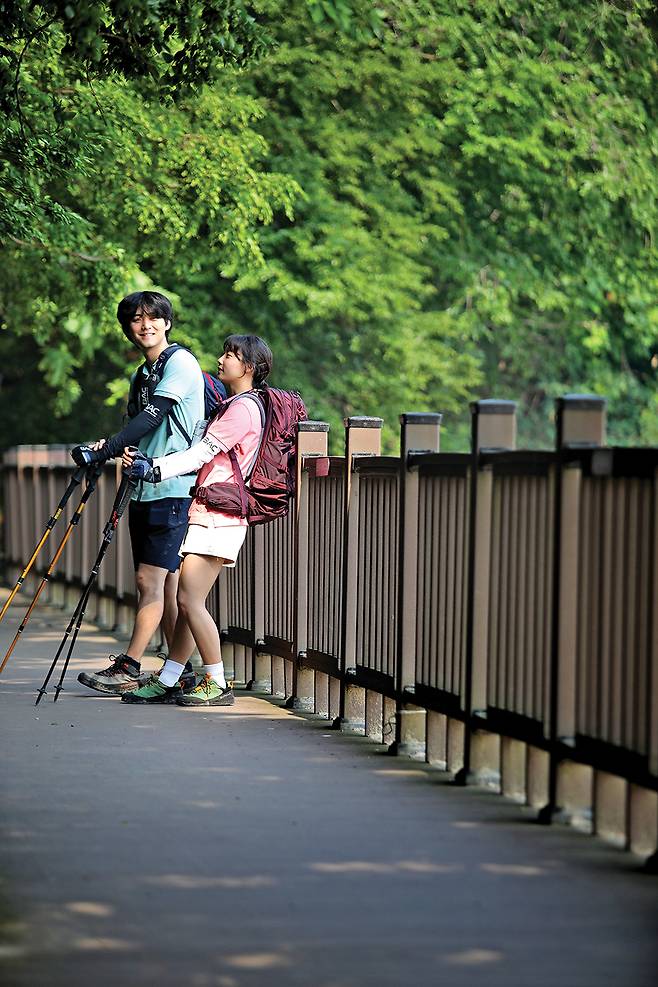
[(104, 183), (416, 204), (478, 215)]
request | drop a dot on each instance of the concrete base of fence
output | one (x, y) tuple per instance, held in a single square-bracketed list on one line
[(334, 698), (388, 721), (455, 746), (610, 808), (278, 677), (374, 716), (643, 821), (304, 698), (57, 595), (412, 721), (227, 658), (537, 768), (321, 694), (125, 619), (575, 795), (262, 680), (354, 720), (106, 613), (513, 762), (485, 759), (241, 670), (436, 751)]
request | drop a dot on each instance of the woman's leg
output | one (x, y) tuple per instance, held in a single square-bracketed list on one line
[(198, 575)]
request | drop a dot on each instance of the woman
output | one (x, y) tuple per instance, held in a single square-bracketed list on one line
[(213, 539)]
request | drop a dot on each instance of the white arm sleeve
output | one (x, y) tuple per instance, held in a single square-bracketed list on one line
[(189, 460)]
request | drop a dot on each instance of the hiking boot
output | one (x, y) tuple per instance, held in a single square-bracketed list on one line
[(119, 677), (207, 693), (153, 693), (186, 681)]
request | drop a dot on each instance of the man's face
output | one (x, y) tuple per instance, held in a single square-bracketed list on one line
[(149, 332)]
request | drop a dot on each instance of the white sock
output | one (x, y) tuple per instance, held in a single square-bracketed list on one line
[(216, 672), (170, 673)]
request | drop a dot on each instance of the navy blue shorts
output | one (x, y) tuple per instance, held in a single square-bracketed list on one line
[(157, 529)]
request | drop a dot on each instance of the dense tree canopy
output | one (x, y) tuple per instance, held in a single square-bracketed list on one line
[(416, 204)]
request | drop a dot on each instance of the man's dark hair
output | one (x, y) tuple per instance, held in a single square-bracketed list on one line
[(152, 302), (253, 350)]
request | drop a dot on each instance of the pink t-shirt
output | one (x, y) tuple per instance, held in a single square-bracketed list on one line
[(239, 428)]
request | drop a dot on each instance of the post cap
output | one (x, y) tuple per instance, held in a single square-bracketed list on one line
[(492, 406), (362, 421), (420, 418), (311, 426), (581, 402)]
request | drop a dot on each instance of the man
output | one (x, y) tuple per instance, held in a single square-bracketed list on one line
[(168, 402)]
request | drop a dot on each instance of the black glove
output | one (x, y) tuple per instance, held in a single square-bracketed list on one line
[(86, 456), (143, 469)]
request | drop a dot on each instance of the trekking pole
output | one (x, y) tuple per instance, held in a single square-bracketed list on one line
[(73, 483), (92, 477), (124, 493)]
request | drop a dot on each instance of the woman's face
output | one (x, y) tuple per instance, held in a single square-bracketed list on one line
[(231, 368)]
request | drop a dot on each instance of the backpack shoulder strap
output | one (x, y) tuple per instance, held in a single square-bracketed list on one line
[(164, 357), (133, 393), (263, 418), (259, 402)]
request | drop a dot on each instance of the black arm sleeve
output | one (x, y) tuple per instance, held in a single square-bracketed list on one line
[(139, 426)]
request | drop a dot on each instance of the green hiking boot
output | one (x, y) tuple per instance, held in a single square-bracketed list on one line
[(206, 693), (152, 692)]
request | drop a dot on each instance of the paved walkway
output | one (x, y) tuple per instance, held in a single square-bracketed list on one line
[(252, 846)]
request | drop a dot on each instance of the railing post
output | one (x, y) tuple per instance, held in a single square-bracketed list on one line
[(260, 679), (11, 532), (418, 433), (580, 423), (228, 649), (22, 458), (644, 811), (312, 439), (363, 436), (493, 426)]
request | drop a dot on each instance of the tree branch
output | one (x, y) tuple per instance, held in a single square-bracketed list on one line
[(38, 245)]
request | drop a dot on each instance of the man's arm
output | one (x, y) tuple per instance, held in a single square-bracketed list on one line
[(139, 426)]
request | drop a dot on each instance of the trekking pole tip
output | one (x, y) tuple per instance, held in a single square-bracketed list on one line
[(40, 695)]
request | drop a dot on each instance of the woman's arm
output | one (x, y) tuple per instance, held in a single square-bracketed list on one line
[(189, 460)]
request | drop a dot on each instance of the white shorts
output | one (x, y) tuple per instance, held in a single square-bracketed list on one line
[(223, 543)]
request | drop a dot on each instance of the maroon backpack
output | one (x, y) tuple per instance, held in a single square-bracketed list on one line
[(271, 481)]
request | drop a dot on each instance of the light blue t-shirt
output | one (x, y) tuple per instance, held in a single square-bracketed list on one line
[(182, 381)]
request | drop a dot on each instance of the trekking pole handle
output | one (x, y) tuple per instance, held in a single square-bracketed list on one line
[(121, 501)]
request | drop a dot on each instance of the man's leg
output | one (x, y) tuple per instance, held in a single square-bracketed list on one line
[(150, 581), (156, 533)]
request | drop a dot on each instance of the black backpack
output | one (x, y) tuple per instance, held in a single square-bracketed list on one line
[(145, 381)]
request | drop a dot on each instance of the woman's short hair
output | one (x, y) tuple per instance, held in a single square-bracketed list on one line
[(253, 350), (152, 302)]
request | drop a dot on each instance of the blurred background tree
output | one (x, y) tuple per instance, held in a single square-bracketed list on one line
[(416, 204)]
